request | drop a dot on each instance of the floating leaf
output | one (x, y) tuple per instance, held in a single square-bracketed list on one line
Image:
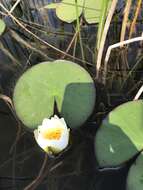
[(135, 175), (62, 81), (120, 136), (66, 11), (2, 26), (92, 13), (52, 6), (92, 9)]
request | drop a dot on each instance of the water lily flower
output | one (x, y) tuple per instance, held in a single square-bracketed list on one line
[(53, 135)]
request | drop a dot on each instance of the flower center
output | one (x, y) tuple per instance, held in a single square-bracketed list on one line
[(52, 134)]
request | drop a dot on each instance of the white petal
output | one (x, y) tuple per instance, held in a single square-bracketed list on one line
[(56, 117), (56, 123), (36, 134), (42, 143), (46, 122), (63, 121), (54, 144)]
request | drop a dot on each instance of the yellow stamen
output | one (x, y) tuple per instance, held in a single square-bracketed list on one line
[(52, 134)]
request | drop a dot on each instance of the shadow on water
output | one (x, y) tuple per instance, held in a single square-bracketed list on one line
[(77, 169)]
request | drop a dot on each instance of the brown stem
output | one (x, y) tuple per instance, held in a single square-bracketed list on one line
[(135, 18), (35, 183)]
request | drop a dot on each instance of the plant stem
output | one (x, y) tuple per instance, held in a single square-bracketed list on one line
[(110, 48), (102, 22), (125, 20), (79, 31), (40, 176), (139, 93), (135, 18), (103, 38)]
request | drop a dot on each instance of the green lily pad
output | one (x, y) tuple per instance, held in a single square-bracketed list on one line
[(52, 6), (92, 13), (135, 175), (62, 81), (120, 136), (2, 26), (66, 11)]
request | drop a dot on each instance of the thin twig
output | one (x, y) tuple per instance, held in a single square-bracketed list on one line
[(78, 28), (72, 41), (14, 6), (9, 55), (19, 155), (38, 38), (110, 48), (7, 100), (70, 44), (103, 38), (40, 176), (139, 93), (27, 45), (9, 103)]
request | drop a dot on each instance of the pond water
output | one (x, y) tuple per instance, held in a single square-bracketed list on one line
[(76, 169)]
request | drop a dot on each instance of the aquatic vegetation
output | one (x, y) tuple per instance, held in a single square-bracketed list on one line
[(91, 9), (120, 138), (53, 135), (55, 99), (62, 82)]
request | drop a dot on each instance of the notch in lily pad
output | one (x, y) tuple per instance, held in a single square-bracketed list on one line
[(62, 81), (91, 9)]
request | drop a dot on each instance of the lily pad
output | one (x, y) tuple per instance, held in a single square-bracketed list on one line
[(2, 26), (62, 81), (120, 136), (66, 10), (92, 13), (135, 175)]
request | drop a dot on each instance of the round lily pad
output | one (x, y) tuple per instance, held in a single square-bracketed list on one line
[(120, 136), (66, 10), (63, 82), (135, 175)]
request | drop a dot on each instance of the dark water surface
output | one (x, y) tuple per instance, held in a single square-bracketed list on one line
[(76, 169)]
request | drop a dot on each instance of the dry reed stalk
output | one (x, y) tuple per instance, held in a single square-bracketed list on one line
[(111, 47), (104, 35), (38, 38), (139, 93), (125, 20), (132, 28), (14, 6)]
